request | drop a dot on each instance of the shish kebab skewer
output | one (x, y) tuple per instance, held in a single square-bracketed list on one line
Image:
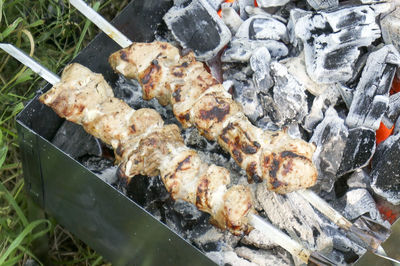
[(162, 72), (85, 98)]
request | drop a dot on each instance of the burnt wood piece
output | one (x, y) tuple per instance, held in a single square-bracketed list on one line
[(198, 27), (371, 96)]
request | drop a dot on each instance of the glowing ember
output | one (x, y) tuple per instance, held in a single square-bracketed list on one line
[(383, 133)]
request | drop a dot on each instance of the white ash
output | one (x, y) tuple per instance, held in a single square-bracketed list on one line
[(261, 257), (245, 93), (320, 105), (243, 4), (266, 123), (371, 96), (260, 64), (298, 219), (258, 239), (215, 4), (231, 18), (289, 95), (103, 168), (341, 242)]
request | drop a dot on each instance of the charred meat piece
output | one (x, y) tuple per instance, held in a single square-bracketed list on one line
[(143, 145), (199, 100)]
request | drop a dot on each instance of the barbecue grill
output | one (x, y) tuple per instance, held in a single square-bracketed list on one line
[(114, 225)]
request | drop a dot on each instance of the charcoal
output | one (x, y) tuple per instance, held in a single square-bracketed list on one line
[(332, 40), (271, 3), (330, 137), (199, 28), (360, 147), (246, 94), (296, 66), (231, 19), (385, 174), (236, 72), (215, 4), (208, 238), (293, 130), (390, 26), (241, 49), (187, 210), (262, 27), (271, 111), (292, 213), (289, 95), (323, 4), (371, 96), (265, 123), (341, 241), (358, 202), (359, 179), (261, 257), (393, 111), (346, 93), (242, 7), (257, 239), (102, 167), (396, 129), (74, 141), (320, 104), (260, 64)]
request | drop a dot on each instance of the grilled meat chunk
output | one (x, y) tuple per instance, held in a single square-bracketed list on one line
[(197, 99), (143, 145)]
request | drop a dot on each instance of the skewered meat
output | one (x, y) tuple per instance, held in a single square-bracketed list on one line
[(143, 145), (199, 100)]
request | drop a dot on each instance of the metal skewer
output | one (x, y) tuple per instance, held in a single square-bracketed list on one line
[(370, 237), (256, 221)]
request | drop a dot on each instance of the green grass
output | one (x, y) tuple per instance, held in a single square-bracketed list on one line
[(52, 32)]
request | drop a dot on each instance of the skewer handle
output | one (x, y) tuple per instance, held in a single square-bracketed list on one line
[(100, 22), (30, 62)]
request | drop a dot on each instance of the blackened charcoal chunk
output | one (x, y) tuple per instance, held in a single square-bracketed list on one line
[(393, 111), (385, 174), (246, 94), (319, 106), (241, 49), (260, 64), (271, 110), (360, 148), (330, 137), (371, 96), (332, 40), (199, 28), (271, 3), (358, 202), (390, 25), (289, 95), (73, 140), (263, 27), (102, 167), (323, 4)]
